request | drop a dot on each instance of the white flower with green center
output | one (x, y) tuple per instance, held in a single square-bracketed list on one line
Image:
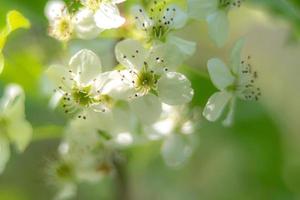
[(104, 13), (175, 127), (61, 26), (82, 84), (13, 126), (238, 81), (151, 76), (160, 22), (215, 13), (64, 26)]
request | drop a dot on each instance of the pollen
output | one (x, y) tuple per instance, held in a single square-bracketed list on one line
[(62, 29), (92, 4)]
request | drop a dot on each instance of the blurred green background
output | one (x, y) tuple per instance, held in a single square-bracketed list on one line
[(258, 158)]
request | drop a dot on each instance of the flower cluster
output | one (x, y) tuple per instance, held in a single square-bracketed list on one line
[(144, 98), (93, 17)]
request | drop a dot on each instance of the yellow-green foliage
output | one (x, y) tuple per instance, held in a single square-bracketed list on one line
[(14, 21)]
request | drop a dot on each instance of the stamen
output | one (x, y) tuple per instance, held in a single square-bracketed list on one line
[(246, 88), (162, 20), (228, 4)]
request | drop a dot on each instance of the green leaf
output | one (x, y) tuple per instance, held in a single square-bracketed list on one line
[(16, 20), (3, 35), (1, 62), (4, 153)]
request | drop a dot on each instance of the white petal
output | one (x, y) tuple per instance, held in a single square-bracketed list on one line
[(147, 108), (130, 53), (55, 99), (60, 76), (218, 27), (4, 153), (141, 18), (85, 25), (124, 139), (215, 105), (176, 16), (86, 64), (175, 89), (103, 121), (66, 191), (164, 56), (116, 88), (164, 127), (123, 117), (12, 102), (228, 121), (235, 56), (187, 48), (199, 9), (220, 74), (108, 17), (54, 9), (176, 150), (117, 1), (11, 94), (20, 133)]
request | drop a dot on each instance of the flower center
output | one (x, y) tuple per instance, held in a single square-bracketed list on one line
[(64, 26), (93, 4), (145, 81), (62, 29), (82, 96), (64, 171), (159, 32), (162, 19)]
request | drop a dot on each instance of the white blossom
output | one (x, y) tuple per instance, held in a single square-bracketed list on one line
[(14, 128), (160, 22), (215, 13), (175, 127), (82, 84), (61, 24), (152, 78), (105, 13), (238, 81)]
